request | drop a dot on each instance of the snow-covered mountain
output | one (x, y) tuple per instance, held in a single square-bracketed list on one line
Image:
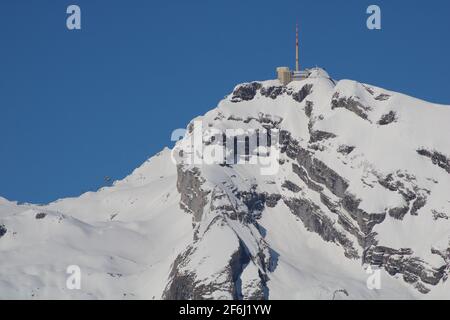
[(360, 184)]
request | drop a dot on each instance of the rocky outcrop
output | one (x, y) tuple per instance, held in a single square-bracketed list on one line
[(40, 215), (266, 120), (222, 205), (248, 91), (318, 176), (186, 284), (272, 200), (398, 213), (444, 253), (338, 293), (331, 205), (379, 97), (402, 261), (193, 197), (310, 168), (289, 185), (234, 118), (3, 230), (350, 104), (437, 158), (303, 175), (439, 215), (309, 105), (418, 204), (405, 185), (269, 121), (182, 285), (366, 221), (387, 118), (245, 92), (254, 201), (301, 95), (318, 135), (316, 221), (369, 89), (221, 208), (272, 92), (382, 97), (345, 150), (238, 261), (321, 173)]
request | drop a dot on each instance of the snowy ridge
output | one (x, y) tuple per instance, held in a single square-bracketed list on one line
[(363, 180)]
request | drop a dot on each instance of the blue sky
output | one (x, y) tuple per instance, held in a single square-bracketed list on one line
[(76, 106)]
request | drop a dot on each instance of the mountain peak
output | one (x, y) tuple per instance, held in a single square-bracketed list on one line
[(360, 182)]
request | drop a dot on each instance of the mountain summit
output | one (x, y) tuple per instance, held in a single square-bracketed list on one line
[(347, 198)]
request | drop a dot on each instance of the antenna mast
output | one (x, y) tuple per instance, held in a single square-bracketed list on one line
[(296, 49)]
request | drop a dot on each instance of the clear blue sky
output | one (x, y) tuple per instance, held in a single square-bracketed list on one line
[(76, 106)]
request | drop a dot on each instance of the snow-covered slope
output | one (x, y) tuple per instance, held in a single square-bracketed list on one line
[(360, 178), (124, 239)]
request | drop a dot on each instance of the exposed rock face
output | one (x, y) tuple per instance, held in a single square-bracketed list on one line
[(41, 215), (382, 97), (3, 230), (345, 150), (320, 173), (413, 269), (365, 221), (216, 211), (418, 204), (350, 104), (320, 135), (369, 89), (181, 285), (398, 213), (246, 92), (193, 197), (303, 175), (186, 283), (234, 118), (404, 184), (388, 118), (339, 292), (315, 221), (303, 93), (445, 255), (439, 215), (437, 158), (291, 186), (269, 121), (254, 201), (309, 105), (272, 200), (316, 175), (272, 92)]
